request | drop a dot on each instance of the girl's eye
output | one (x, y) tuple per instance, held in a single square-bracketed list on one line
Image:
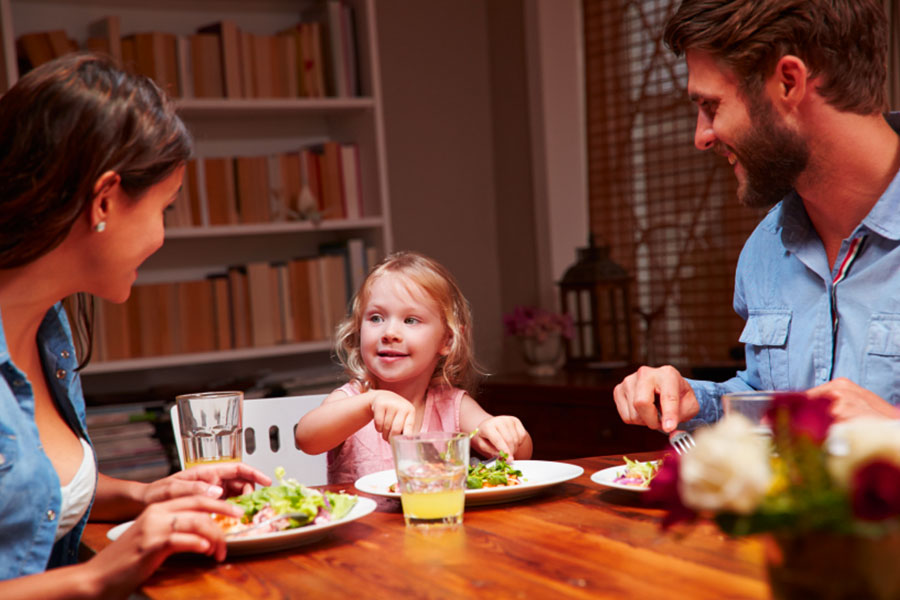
[(411, 320), (375, 318)]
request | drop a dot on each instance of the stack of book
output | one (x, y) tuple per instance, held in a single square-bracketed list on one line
[(314, 58), (254, 305), (317, 182), (127, 441)]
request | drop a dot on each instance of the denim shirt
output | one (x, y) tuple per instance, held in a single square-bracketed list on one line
[(30, 496), (801, 329)]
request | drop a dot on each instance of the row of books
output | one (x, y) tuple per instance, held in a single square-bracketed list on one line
[(254, 305), (315, 58), (317, 182), (129, 440)]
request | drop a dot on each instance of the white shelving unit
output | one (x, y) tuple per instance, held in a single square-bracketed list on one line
[(226, 127)]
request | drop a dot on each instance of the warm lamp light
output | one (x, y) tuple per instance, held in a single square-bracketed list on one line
[(594, 292)]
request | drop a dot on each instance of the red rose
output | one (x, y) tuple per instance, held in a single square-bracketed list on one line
[(875, 491), (809, 417)]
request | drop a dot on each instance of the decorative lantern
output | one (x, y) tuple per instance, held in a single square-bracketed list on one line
[(594, 292)]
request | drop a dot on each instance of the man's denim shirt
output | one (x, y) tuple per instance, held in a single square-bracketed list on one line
[(784, 292), (30, 494)]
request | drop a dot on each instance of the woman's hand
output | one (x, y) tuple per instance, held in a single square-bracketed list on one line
[(218, 480), (393, 414), (502, 434), (162, 529)]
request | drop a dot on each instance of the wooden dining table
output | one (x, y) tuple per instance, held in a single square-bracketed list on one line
[(576, 539)]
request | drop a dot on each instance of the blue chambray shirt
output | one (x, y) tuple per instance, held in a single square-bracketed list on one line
[(30, 495), (784, 293)]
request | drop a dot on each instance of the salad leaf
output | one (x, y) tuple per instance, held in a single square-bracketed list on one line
[(290, 496), (500, 473)]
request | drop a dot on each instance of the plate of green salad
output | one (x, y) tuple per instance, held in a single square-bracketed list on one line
[(313, 514), (489, 483)]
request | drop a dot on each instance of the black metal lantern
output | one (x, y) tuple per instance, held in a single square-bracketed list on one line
[(594, 292)]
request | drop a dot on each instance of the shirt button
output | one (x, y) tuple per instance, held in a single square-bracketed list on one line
[(60, 373), (64, 354), (51, 514), (19, 382)]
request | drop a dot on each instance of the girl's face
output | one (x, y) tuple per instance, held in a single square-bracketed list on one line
[(402, 336), (134, 231)]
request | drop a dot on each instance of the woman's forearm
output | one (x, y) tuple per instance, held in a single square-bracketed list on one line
[(117, 499)]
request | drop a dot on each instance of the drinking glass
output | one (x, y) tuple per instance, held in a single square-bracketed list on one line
[(431, 477), (210, 427), (752, 405)]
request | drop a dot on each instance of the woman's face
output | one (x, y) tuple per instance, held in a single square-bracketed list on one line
[(134, 230)]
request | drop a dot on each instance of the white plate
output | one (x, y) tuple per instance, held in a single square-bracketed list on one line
[(608, 477), (536, 475), (269, 542)]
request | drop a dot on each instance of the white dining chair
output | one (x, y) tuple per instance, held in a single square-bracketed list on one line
[(269, 438)]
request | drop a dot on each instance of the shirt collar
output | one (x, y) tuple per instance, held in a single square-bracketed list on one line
[(883, 219)]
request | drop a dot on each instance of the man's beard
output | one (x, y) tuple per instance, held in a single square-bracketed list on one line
[(772, 155)]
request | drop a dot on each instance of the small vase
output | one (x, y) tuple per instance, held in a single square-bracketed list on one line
[(833, 567), (543, 357)]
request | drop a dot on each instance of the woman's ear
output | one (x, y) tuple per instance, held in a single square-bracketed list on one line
[(105, 189)]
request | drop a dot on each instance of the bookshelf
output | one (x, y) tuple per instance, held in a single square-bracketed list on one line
[(230, 128)]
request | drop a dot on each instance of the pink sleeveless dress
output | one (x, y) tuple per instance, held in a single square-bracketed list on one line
[(367, 452)]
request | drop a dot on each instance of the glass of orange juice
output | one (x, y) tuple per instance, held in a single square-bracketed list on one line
[(210, 427), (431, 477)]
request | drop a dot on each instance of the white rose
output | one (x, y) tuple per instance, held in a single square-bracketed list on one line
[(853, 443), (729, 469)]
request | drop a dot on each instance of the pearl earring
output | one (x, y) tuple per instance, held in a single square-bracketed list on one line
[(99, 227)]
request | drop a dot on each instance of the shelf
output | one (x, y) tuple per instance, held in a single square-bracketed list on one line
[(191, 108), (200, 358), (215, 231)]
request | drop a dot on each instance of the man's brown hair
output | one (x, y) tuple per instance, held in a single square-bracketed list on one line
[(844, 42)]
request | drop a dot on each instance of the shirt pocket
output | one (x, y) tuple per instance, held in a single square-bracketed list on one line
[(881, 370), (766, 335)]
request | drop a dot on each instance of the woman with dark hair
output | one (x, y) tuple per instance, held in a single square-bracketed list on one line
[(90, 157)]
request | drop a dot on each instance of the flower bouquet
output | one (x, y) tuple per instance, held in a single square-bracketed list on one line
[(828, 498), (540, 333)]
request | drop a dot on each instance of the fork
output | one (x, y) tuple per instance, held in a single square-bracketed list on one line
[(682, 441)]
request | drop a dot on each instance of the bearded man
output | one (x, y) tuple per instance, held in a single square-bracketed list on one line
[(792, 93)]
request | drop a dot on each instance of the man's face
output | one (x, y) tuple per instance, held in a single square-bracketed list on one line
[(766, 154)]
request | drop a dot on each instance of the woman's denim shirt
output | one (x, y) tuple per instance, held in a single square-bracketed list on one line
[(30, 495)]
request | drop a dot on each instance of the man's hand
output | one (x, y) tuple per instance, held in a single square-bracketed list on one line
[(636, 398), (851, 401)]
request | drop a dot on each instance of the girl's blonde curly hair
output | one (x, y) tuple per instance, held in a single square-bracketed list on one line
[(458, 368)]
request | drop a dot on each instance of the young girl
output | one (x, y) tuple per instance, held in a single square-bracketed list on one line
[(407, 347)]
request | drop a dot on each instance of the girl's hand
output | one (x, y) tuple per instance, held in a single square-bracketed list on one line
[(164, 528), (393, 414), (499, 434), (218, 480)]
